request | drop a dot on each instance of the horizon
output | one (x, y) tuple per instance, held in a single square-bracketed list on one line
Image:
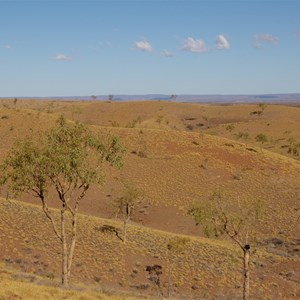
[(154, 94), (149, 47), (181, 98)]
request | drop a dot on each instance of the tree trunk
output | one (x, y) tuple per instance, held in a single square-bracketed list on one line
[(64, 275), (246, 290), (125, 231), (73, 242), (170, 286)]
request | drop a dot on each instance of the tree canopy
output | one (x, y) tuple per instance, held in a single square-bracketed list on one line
[(67, 158)]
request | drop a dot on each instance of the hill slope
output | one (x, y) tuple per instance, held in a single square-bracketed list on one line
[(173, 168), (204, 267)]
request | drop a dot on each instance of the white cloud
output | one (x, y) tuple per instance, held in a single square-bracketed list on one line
[(7, 46), (194, 45), (266, 38), (143, 46), (167, 53), (222, 42), (260, 40), (61, 57)]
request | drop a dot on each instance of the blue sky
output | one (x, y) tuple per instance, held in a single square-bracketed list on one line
[(65, 48)]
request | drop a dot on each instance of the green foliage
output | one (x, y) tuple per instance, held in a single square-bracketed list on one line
[(67, 157), (243, 135), (203, 215), (217, 217), (126, 203), (294, 147), (230, 127), (24, 168), (261, 138), (262, 106), (130, 197)]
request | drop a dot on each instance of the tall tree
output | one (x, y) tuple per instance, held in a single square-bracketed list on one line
[(236, 221), (67, 158)]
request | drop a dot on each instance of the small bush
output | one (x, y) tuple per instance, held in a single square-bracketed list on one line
[(230, 127)]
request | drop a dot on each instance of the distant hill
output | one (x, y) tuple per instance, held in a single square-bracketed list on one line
[(270, 98)]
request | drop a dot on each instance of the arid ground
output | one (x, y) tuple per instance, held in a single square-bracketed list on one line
[(176, 154)]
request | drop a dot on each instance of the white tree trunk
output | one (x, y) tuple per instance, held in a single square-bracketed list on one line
[(246, 290), (64, 276)]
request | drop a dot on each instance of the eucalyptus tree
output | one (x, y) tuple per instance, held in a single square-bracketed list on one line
[(126, 204), (68, 159), (217, 218)]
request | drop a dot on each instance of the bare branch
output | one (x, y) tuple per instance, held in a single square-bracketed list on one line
[(49, 216)]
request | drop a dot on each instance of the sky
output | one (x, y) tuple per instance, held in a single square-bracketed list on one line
[(101, 47)]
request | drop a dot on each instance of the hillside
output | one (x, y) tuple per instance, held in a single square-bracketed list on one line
[(174, 162), (204, 268), (241, 122)]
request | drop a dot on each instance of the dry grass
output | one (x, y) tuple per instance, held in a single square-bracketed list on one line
[(102, 260), (18, 286), (173, 166)]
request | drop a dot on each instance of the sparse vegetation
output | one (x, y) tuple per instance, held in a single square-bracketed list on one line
[(261, 138), (243, 135), (126, 204), (134, 122), (62, 159), (294, 147), (230, 127), (262, 107), (237, 222), (172, 167), (115, 124), (155, 272)]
